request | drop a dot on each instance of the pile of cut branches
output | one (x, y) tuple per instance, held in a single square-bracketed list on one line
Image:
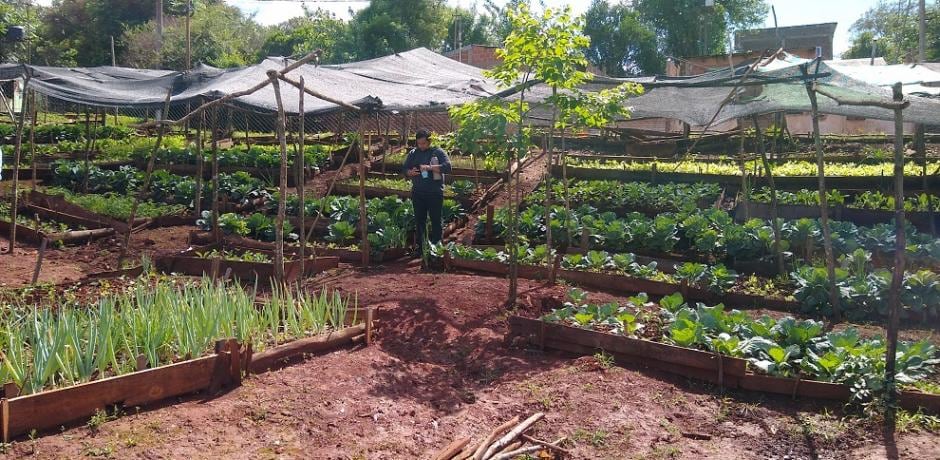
[(508, 441)]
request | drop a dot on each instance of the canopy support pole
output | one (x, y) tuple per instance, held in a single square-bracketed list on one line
[(282, 185), (17, 153), (775, 221), (301, 185), (811, 90), (145, 189), (894, 295)]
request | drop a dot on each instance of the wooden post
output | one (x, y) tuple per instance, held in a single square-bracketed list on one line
[(17, 152), (142, 193), (216, 235), (85, 174), (823, 202), (489, 223), (567, 192), (94, 144), (32, 139), (775, 222), (282, 186), (200, 166), (39, 257), (894, 294), (363, 217), (301, 186)]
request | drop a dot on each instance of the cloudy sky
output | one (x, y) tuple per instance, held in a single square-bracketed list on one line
[(789, 12)]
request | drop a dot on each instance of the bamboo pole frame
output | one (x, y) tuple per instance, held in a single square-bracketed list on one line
[(17, 152)]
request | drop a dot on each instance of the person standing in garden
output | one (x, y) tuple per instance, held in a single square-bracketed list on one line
[(426, 167)]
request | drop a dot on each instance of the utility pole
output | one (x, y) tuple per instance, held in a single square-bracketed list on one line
[(158, 19), (189, 36), (922, 32)]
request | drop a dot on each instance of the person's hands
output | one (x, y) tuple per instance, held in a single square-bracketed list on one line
[(425, 168), (413, 172)]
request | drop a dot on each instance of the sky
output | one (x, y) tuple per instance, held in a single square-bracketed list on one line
[(789, 12)]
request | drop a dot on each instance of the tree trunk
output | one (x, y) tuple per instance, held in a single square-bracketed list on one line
[(894, 295), (282, 185), (824, 205)]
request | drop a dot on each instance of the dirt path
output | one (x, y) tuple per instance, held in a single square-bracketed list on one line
[(441, 368), (71, 263), (529, 179)]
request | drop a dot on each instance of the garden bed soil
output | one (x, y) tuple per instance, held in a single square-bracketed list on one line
[(73, 263), (441, 369), (189, 262), (626, 285)]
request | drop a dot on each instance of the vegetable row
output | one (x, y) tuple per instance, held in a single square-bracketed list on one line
[(45, 347), (783, 347)]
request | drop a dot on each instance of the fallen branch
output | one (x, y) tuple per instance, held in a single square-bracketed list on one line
[(512, 435), (453, 449), (547, 444), (478, 454), (524, 450)]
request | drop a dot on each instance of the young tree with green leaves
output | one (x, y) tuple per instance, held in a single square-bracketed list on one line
[(894, 24)]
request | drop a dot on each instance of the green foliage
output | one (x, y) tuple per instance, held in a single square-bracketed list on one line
[(58, 345), (390, 26), (483, 127), (681, 25), (316, 30), (621, 44), (895, 26)]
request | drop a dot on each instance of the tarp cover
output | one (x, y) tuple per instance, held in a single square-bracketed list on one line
[(414, 80), (775, 87), (421, 79)]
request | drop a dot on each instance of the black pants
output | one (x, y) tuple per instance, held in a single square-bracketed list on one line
[(427, 205)]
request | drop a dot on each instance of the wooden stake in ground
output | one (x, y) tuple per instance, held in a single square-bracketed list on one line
[(302, 211), (363, 216), (200, 166), (216, 235), (32, 140), (17, 152), (145, 188), (894, 295), (778, 254), (282, 186), (823, 202)]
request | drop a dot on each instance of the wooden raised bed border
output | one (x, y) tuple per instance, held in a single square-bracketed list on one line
[(227, 366), (701, 365), (188, 263), (734, 182), (866, 217), (626, 284)]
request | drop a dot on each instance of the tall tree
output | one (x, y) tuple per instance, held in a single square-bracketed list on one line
[(894, 25), (689, 28), (621, 44), (18, 13), (474, 28), (221, 36), (86, 26), (316, 29), (391, 26)]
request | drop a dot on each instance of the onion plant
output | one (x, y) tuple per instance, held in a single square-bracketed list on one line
[(42, 347)]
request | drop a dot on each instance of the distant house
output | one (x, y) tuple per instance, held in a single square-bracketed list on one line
[(482, 56), (802, 41)]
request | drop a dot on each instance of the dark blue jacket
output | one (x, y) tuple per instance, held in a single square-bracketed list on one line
[(419, 184)]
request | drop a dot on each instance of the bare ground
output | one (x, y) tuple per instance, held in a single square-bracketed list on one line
[(442, 368)]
